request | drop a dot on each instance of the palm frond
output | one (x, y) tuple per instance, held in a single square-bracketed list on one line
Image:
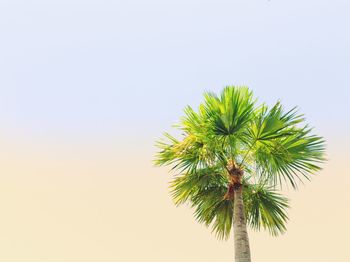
[(281, 149), (291, 158), (230, 113), (204, 190), (185, 186), (265, 208)]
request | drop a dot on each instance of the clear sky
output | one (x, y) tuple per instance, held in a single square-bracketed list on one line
[(86, 88)]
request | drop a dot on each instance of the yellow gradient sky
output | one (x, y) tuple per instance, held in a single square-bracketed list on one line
[(94, 202)]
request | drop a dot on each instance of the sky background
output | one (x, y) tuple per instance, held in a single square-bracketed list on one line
[(86, 88)]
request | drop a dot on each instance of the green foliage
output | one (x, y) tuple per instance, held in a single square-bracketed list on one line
[(281, 149), (265, 208), (273, 147)]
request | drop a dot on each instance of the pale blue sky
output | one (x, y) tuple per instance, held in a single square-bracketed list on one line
[(102, 68)]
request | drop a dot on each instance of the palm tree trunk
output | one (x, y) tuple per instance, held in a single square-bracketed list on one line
[(242, 251)]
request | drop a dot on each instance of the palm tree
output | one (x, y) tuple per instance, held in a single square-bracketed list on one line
[(232, 158)]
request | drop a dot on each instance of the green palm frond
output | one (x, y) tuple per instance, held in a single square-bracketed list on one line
[(265, 208), (185, 186), (205, 191), (230, 113), (290, 158), (281, 149), (185, 155), (213, 210), (273, 123)]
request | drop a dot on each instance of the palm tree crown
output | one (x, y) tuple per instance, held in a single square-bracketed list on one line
[(231, 142)]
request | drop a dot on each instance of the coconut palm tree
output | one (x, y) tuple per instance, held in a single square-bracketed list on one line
[(232, 158)]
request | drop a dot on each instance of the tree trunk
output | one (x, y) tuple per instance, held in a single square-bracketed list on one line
[(242, 251)]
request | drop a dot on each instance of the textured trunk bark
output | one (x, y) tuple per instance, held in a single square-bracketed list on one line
[(242, 250)]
